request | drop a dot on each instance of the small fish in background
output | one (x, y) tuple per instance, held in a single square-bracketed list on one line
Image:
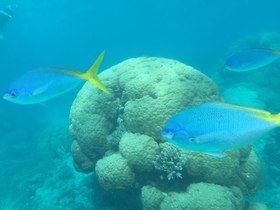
[(216, 126), (251, 59), (42, 84)]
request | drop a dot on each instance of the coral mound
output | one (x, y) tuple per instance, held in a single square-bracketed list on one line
[(145, 93), (119, 137)]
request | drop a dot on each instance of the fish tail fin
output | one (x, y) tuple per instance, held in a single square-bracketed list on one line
[(272, 118), (277, 118), (91, 74)]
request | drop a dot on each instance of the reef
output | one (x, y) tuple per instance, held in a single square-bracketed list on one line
[(118, 136)]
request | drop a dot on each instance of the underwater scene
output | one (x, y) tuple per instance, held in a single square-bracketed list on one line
[(129, 104)]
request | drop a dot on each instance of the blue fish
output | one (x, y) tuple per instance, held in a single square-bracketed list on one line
[(217, 126), (251, 59), (42, 84)]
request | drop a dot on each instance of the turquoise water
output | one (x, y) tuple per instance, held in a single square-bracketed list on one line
[(35, 146)]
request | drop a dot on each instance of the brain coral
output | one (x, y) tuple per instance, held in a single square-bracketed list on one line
[(113, 172), (151, 197), (146, 91), (139, 151), (202, 196), (241, 168)]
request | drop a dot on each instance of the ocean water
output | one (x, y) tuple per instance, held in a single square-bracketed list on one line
[(35, 157)]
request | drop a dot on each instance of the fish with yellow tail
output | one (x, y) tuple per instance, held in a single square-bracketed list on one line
[(251, 59), (42, 84), (216, 126)]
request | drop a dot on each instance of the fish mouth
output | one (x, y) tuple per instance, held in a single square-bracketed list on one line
[(167, 135)]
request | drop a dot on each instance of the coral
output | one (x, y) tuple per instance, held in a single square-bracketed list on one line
[(145, 93), (90, 128), (63, 187), (257, 206), (113, 172), (139, 151), (53, 139), (202, 196), (228, 171), (151, 197), (170, 160), (250, 174)]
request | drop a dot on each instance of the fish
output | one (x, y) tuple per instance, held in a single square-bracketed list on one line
[(214, 127), (44, 83), (251, 59)]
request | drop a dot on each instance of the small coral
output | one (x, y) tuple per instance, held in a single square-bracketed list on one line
[(170, 160)]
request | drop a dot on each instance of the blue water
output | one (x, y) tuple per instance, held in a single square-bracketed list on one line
[(36, 170)]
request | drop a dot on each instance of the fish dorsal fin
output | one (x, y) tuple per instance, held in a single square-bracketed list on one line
[(257, 113), (41, 89)]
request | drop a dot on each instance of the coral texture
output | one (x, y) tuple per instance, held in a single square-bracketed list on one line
[(113, 172), (241, 168), (202, 196), (151, 197), (139, 151)]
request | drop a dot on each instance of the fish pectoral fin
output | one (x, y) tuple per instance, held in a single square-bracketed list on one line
[(215, 154), (41, 89)]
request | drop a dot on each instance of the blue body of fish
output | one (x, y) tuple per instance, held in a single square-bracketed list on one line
[(251, 59), (42, 84), (214, 127), (39, 85)]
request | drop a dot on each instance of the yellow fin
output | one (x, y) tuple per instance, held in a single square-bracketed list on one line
[(258, 113), (91, 74), (276, 52)]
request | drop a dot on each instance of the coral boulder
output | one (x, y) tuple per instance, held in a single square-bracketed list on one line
[(145, 93)]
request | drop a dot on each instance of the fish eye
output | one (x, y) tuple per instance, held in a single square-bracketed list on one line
[(229, 64), (13, 94)]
